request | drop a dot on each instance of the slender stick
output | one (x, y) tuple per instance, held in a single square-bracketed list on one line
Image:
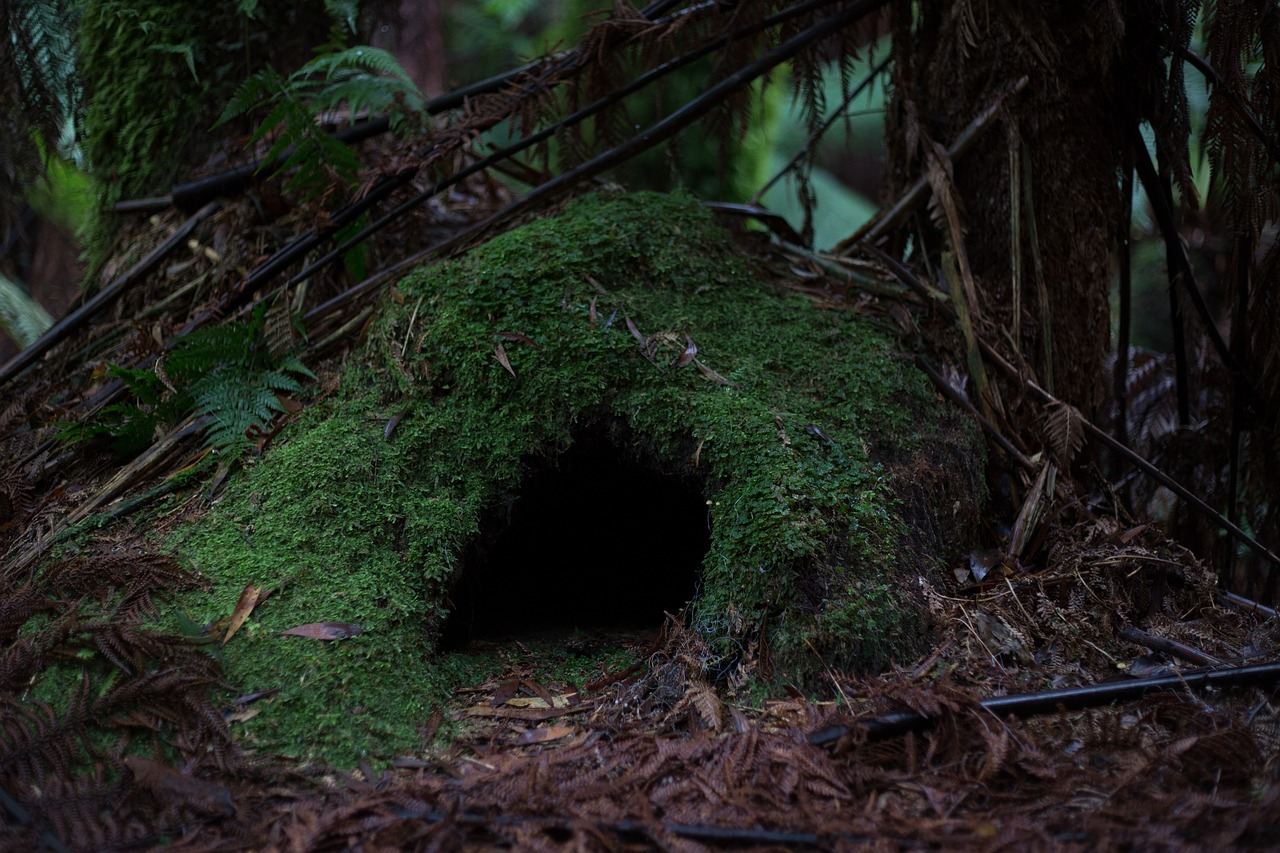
[(887, 220), (68, 324), (1070, 699), (1120, 375), (648, 138), (546, 133), (1160, 193), (1246, 605), (907, 277), (989, 428), (1243, 253), (1170, 647), (822, 129)]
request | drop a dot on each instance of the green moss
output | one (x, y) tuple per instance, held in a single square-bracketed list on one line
[(804, 558), (157, 74)]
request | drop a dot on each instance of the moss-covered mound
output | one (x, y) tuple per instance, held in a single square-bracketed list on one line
[(580, 328)]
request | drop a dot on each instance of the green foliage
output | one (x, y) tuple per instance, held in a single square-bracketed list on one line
[(21, 317), (142, 100), (39, 95), (227, 373), (358, 79), (230, 374)]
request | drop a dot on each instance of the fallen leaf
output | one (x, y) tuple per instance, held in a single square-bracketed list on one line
[(532, 714), (519, 338), (501, 354), (506, 689), (243, 715), (527, 702), (173, 788), (690, 350), (428, 732), (591, 313), (219, 477), (246, 698), (393, 423), (549, 733), (708, 705), (635, 333), (324, 631), (195, 460), (1128, 535), (248, 600), (709, 374), (545, 695)]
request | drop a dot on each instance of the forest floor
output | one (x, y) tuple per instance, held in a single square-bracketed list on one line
[(116, 735)]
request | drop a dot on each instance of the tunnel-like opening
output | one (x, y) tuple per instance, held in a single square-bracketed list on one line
[(595, 539)]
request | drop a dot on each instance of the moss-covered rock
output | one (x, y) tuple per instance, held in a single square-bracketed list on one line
[(800, 426)]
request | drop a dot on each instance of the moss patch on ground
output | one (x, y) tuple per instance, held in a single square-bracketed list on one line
[(781, 420)]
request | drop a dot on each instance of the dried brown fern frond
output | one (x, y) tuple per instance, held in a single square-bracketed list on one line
[(1064, 431), (134, 577), (36, 741), (28, 655)]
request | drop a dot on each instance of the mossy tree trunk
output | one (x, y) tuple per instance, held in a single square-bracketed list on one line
[(953, 61), (157, 73)]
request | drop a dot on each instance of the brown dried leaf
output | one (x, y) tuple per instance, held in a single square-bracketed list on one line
[(534, 714), (708, 705), (518, 338), (690, 350), (394, 422), (1064, 429), (249, 598), (550, 733), (242, 715), (501, 355), (173, 788), (709, 374), (635, 333), (324, 631)]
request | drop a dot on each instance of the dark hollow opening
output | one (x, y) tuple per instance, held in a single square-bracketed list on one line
[(591, 541)]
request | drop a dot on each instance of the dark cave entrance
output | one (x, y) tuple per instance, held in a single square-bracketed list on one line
[(595, 539)]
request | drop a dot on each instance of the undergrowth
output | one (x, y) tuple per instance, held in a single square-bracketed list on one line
[(362, 81), (231, 375)]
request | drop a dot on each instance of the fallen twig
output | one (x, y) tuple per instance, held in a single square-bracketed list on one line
[(68, 324), (1051, 701), (1170, 647)]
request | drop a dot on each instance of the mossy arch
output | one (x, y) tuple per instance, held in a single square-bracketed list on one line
[(806, 434)]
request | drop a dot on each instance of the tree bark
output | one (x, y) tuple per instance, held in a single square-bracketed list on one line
[(954, 60)]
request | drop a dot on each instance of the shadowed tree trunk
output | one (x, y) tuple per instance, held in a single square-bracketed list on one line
[(1061, 133)]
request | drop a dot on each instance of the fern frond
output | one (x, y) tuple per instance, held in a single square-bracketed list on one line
[(251, 94), (372, 59), (21, 317), (1064, 429)]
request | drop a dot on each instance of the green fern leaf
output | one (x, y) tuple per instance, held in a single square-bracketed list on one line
[(21, 317), (251, 94)]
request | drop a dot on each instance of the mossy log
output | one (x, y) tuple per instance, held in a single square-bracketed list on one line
[(823, 473)]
